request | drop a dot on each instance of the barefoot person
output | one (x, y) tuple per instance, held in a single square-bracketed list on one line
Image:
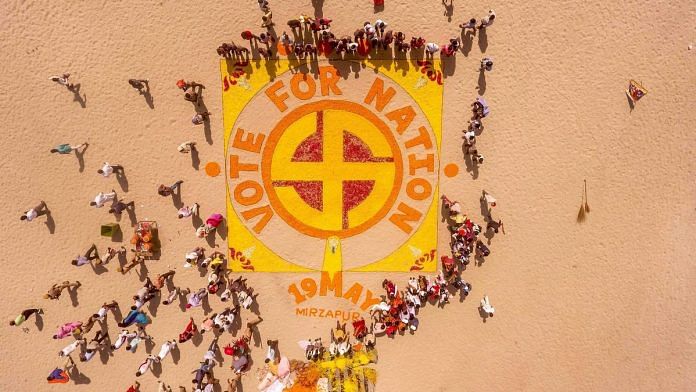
[(35, 212), (487, 20), (24, 316), (57, 289)]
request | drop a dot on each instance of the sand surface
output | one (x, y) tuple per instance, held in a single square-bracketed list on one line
[(603, 305)]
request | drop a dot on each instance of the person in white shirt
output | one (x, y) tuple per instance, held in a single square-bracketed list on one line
[(166, 348), (194, 256), (487, 20), (108, 169), (70, 348), (431, 48), (105, 308), (35, 212), (145, 365), (62, 80), (186, 147), (102, 198), (486, 306), (185, 212)]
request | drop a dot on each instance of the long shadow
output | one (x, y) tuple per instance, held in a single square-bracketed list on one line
[(176, 354), (206, 306), (176, 198), (73, 297), (449, 9), (449, 64), (39, 322), (142, 271), (483, 40), (210, 238), (467, 42), (98, 268), (197, 339), (149, 345), (154, 304), (122, 180), (222, 230), (77, 97), (118, 316), (195, 159), (78, 377), (148, 97), (471, 166), (156, 369), (206, 123), (80, 155), (105, 351), (131, 215), (631, 104), (482, 82), (50, 223), (196, 220), (318, 8)]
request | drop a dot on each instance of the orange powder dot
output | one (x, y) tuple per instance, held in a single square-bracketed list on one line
[(451, 170), (212, 169)]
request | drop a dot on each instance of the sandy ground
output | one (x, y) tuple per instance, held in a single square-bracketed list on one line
[(603, 305)]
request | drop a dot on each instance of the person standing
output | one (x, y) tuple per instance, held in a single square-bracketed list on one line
[(25, 315), (67, 148), (35, 212)]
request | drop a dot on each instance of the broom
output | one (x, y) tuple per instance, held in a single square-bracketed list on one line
[(581, 213)]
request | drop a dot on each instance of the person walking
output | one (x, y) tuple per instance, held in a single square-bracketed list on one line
[(164, 190), (35, 212), (90, 254), (67, 148), (62, 80), (57, 289), (108, 169), (486, 64), (186, 147), (487, 20), (24, 315), (142, 85), (118, 208), (185, 212), (101, 199)]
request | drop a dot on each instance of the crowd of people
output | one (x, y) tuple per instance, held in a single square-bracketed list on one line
[(396, 314)]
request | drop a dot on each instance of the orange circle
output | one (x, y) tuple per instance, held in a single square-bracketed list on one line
[(212, 169), (451, 170), (297, 114)]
